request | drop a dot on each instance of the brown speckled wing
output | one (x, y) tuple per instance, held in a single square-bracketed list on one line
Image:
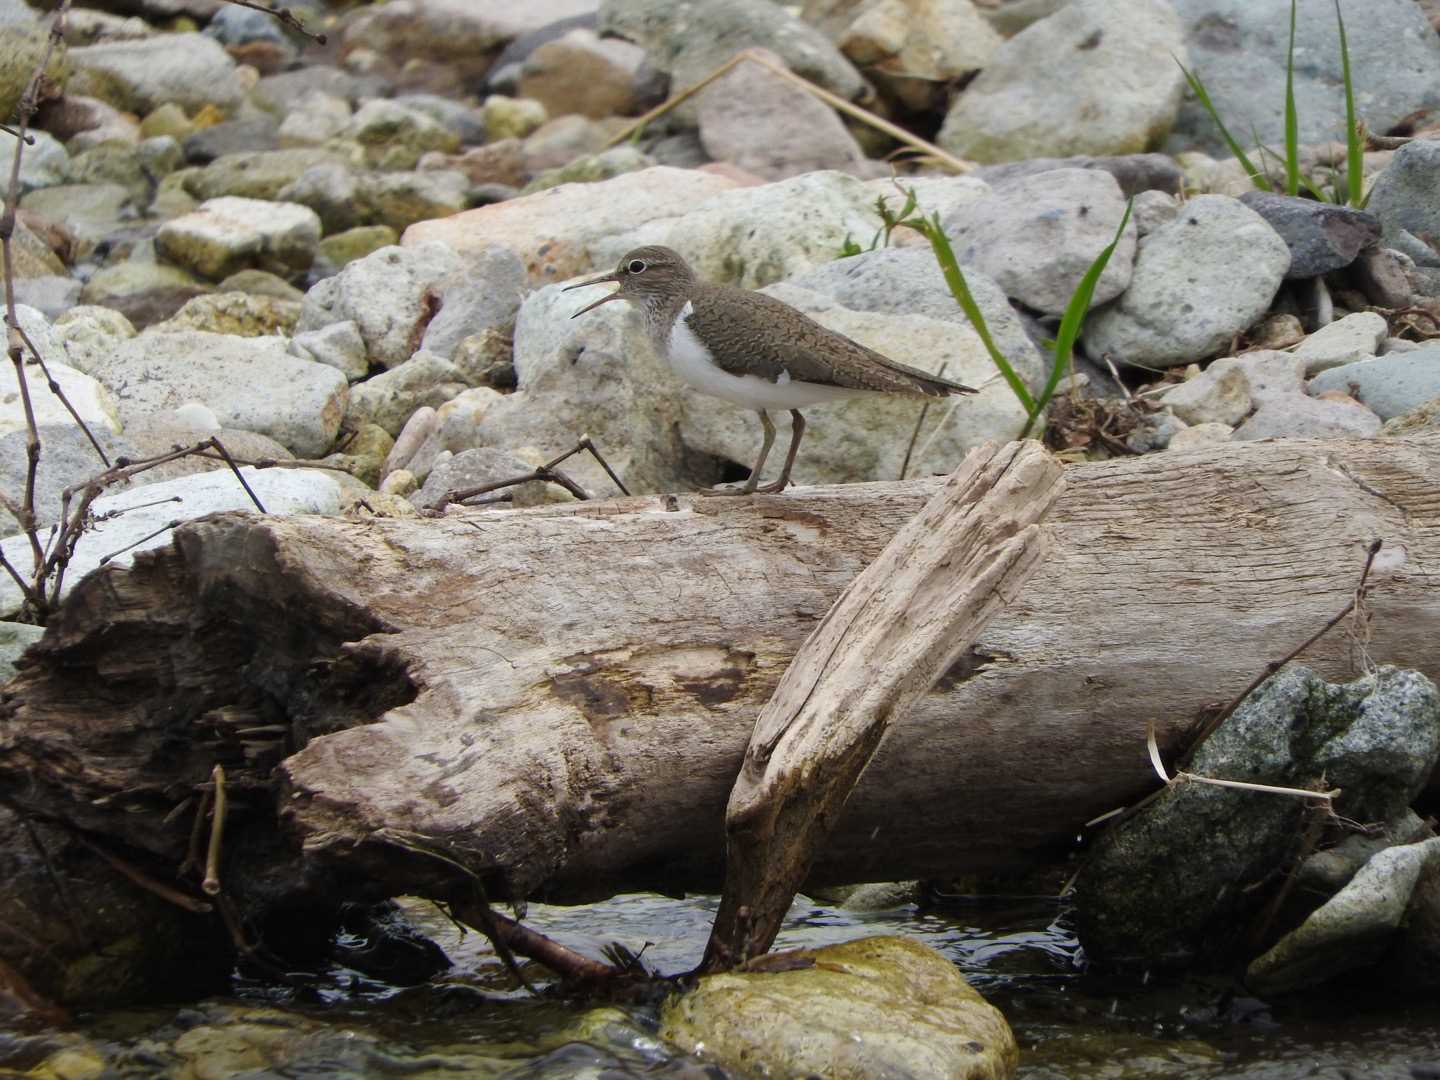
[(762, 336)]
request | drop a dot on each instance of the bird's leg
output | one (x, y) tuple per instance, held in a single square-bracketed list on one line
[(749, 488), (797, 429)]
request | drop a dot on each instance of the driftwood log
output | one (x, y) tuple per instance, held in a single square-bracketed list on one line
[(554, 703), (894, 631)]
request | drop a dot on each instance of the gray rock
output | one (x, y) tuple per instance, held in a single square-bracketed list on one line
[(592, 168), (1425, 417), (15, 638), (191, 70), (332, 190), (250, 135), (237, 25), (399, 199), (454, 428), (150, 508), (86, 396), (485, 293), (92, 212), (1297, 416), (395, 137), (417, 429), (1152, 209), (1353, 929), (388, 399), (52, 294), (280, 93), (1321, 236), (1357, 336), (463, 121), (1037, 237), (932, 42), (1271, 375), (1200, 435), (227, 235), (1388, 385), (250, 383), (339, 345), (384, 294), (1135, 173), (688, 39), (772, 128), (1379, 273), (1197, 282), (1090, 51), (144, 293), (1218, 395), (1174, 881), (316, 119), (45, 162), (256, 175), (583, 74), (67, 457), (472, 468), (504, 75), (1238, 47), (1406, 202)]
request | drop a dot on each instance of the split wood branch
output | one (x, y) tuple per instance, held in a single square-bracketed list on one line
[(890, 636)]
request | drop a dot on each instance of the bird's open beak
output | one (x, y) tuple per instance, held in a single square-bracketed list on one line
[(603, 279)]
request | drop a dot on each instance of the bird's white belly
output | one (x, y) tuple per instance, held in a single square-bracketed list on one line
[(693, 365)]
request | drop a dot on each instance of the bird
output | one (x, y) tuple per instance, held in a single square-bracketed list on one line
[(753, 350)]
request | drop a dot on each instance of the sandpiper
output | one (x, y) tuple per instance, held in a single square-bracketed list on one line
[(753, 350)]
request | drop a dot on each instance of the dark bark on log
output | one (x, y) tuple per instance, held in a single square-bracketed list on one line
[(556, 701)]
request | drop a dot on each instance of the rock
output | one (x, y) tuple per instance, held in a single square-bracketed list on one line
[(92, 212), (1238, 49), (343, 248), (1135, 173), (772, 128), (260, 283), (251, 135), (1277, 331), (463, 35), (364, 454), (315, 120), (80, 122), (417, 429), (482, 294), (237, 313), (385, 295), (67, 457), (1197, 282), (189, 70), (161, 432), (398, 484), (463, 120), (149, 509), (279, 94), (1111, 86), (32, 256), (399, 199), (332, 190), (498, 162), (688, 39), (52, 295), (560, 233), (1199, 435), (453, 428), (1405, 200), (229, 234), (15, 638), (580, 72), (44, 163), (560, 141), (168, 119), (1174, 882), (257, 175), (512, 118), (1353, 929), (476, 467), (1321, 236), (1037, 237), (394, 136), (941, 195), (339, 345), (880, 1006), (1299, 417), (113, 163), (1380, 275), (1424, 417), (388, 399), (593, 167), (90, 400), (144, 293), (1219, 395), (1355, 337), (932, 40), (250, 383), (1270, 375), (1388, 385), (806, 221)]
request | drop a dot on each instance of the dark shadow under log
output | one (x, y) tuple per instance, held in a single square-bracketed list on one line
[(554, 702)]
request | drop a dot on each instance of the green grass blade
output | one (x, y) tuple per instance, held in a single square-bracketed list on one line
[(1202, 95), (1292, 118), (1354, 146), (930, 228), (1074, 318)]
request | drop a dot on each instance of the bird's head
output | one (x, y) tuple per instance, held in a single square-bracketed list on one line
[(646, 276)]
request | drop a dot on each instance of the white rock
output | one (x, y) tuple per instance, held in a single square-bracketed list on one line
[(1206, 434), (90, 399), (1355, 337), (389, 399), (1198, 281), (1218, 395), (1297, 416), (151, 507), (249, 383), (225, 235), (338, 345)]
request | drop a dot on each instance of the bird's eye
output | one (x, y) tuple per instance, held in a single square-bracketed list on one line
[(635, 266)]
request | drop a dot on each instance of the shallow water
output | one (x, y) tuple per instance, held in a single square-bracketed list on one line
[(471, 1021)]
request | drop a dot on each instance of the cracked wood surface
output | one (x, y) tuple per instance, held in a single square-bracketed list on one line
[(557, 700)]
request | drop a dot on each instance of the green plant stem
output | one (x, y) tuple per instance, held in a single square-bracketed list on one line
[(1354, 144), (1292, 118), (1202, 95)]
